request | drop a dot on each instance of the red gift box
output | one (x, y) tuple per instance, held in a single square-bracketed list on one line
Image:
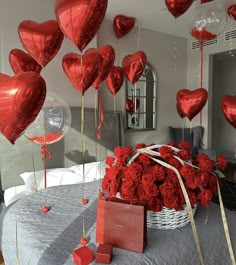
[(83, 256), (104, 253)]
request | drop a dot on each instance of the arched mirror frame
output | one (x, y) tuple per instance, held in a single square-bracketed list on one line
[(141, 113)]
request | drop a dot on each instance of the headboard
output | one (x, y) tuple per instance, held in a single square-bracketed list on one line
[(26, 156)]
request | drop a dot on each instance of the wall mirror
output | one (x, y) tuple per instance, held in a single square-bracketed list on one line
[(141, 101)]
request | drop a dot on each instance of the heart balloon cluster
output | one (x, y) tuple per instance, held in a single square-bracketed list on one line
[(191, 102)]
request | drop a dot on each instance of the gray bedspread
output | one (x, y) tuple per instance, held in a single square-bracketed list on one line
[(49, 239)]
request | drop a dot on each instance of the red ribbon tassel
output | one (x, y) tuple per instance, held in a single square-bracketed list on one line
[(201, 81), (101, 115), (45, 154)]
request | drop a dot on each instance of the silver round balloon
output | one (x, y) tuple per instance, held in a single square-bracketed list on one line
[(52, 122)]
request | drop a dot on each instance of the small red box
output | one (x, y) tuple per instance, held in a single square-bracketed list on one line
[(104, 253), (83, 256)]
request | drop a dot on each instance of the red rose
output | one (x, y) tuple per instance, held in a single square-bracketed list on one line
[(171, 202), (185, 145), (192, 197), (110, 160), (184, 154), (148, 179), (187, 170), (205, 197), (166, 152), (192, 181), (141, 193), (212, 184), (222, 162), (206, 165), (167, 189), (157, 171), (128, 190), (144, 160), (204, 178), (123, 152), (150, 189), (174, 162), (141, 145), (154, 204), (171, 177)]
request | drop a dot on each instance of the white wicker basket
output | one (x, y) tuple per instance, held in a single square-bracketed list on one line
[(168, 218)]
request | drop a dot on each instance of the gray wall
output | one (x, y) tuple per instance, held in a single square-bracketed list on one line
[(224, 83), (160, 50)]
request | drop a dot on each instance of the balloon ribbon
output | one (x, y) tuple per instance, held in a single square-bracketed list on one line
[(45, 154), (101, 113)]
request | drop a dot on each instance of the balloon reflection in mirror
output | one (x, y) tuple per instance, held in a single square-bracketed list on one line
[(52, 123)]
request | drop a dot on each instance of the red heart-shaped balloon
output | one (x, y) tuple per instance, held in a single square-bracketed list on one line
[(80, 20), (22, 97), (133, 66), (41, 40), (115, 79), (232, 11), (191, 102), (122, 25), (178, 7), (107, 53), (228, 107), (23, 62), (181, 114), (82, 70), (130, 105)]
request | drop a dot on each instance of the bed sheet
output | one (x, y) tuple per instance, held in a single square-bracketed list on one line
[(49, 239)]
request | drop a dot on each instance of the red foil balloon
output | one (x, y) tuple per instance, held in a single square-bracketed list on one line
[(80, 20), (107, 53), (178, 7), (181, 114), (232, 11), (22, 97), (228, 107), (41, 40), (122, 25), (23, 62), (82, 71), (115, 79), (133, 66), (130, 105), (191, 102)]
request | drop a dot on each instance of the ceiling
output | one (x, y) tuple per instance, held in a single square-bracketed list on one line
[(153, 14)]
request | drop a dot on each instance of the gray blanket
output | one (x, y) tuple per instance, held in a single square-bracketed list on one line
[(49, 239)]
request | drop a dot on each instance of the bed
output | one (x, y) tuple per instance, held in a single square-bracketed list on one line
[(50, 238)]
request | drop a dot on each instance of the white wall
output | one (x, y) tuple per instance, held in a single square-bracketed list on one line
[(193, 76), (160, 50)]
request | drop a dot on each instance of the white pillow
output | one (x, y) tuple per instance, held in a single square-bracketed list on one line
[(92, 171), (58, 176)]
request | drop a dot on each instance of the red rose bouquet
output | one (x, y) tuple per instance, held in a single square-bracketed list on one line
[(148, 173)]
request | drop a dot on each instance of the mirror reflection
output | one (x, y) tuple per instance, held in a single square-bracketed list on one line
[(141, 101)]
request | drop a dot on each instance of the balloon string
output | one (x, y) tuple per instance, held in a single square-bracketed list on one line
[(82, 140), (101, 115), (45, 154), (201, 83), (114, 105), (139, 30), (95, 125), (84, 232)]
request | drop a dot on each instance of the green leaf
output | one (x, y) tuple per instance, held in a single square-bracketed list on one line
[(219, 173)]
